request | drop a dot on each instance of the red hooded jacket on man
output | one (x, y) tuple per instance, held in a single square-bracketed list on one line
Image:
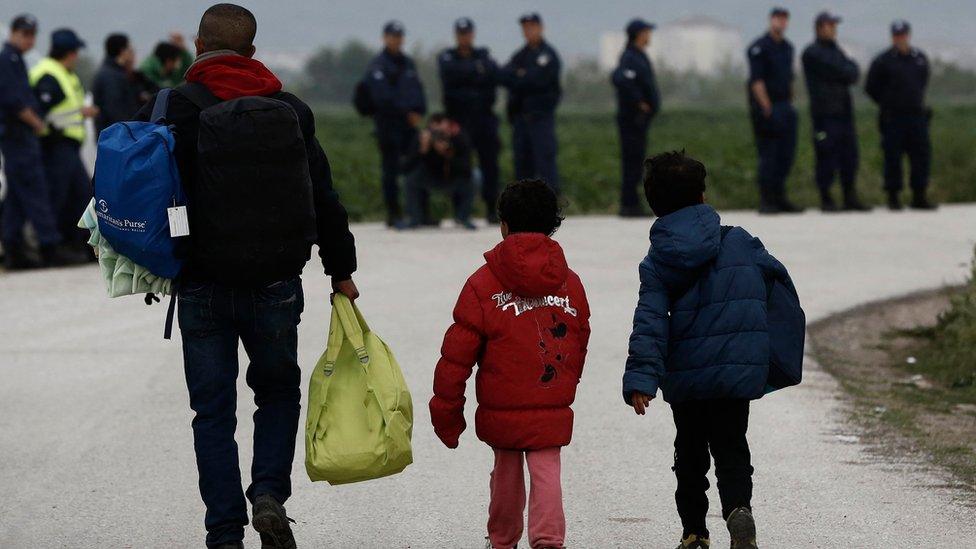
[(524, 319)]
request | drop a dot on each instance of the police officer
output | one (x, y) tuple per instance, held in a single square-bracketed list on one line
[(830, 73), (61, 98), (399, 103), (469, 77), (896, 82), (532, 79), (28, 197), (774, 120), (638, 101)]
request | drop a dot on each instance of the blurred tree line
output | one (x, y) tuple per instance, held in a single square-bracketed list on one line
[(331, 75)]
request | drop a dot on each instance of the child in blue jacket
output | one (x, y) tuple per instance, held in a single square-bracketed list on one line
[(700, 336)]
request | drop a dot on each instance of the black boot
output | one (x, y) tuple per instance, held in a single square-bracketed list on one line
[(633, 211), (17, 259), (786, 206), (60, 255), (894, 201), (827, 204), (852, 203), (921, 202), (270, 521)]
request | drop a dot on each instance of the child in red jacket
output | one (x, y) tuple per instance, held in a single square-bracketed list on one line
[(524, 319)]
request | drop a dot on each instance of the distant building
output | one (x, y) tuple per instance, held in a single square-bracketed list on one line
[(699, 43)]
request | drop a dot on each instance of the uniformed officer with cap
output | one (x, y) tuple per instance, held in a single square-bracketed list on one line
[(469, 77), (399, 103), (28, 197), (638, 102), (534, 91), (774, 120), (896, 82), (830, 73)]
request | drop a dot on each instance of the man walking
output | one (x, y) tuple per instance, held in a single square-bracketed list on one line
[(534, 91), (399, 103), (118, 91), (638, 102), (469, 77), (830, 73), (774, 119), (61, 97), (896, 82), (28, 197), (259, 194)]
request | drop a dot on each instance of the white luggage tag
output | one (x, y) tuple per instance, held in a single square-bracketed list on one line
[(179, 223)]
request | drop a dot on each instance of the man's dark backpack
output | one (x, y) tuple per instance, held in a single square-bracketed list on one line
[(363, 100), (252, 215)]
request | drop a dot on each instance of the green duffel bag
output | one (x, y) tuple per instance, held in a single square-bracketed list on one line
[(360, 414)]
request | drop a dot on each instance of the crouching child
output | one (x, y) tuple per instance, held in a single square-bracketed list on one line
[(524, 319), (701, 334)]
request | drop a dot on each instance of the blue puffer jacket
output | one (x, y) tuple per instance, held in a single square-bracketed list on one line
[(700, 325)]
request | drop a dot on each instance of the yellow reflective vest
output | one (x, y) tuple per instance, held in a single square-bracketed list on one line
[(66, 115)]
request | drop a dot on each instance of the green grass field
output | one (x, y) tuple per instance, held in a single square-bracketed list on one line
[(722, 139)]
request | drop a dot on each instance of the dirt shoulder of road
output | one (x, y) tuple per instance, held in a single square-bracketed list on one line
[(899, 411)]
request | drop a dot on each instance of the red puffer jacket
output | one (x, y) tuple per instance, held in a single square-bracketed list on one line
[(524, 319)]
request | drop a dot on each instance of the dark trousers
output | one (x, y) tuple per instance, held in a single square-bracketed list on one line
[(633, 147), (394, 138), (28, 196), (835, 148), (419, 185), (776, 147), (213, 319), (901, 135), (534, 147), (718, 426), (483, 132), (70, 186)]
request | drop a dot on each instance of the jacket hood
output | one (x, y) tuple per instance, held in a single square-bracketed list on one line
[(687, 238), (229, 76), (528, 264)]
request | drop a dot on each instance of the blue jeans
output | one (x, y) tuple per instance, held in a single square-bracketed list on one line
[(213, 319)]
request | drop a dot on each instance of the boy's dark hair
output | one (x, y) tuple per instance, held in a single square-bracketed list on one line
[(530, 206), (437, 117), (166, 51), (673, 180), (228, 27), (115, 44)]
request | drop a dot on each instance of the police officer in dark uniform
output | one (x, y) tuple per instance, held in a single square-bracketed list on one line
[(896, 82), (469, 77), (774, 120), (398, 98), (532, 79), (28, 196), (830, 73), (638, 102)]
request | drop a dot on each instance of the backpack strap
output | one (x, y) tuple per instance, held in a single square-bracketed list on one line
[(198, 94), (158, 115)]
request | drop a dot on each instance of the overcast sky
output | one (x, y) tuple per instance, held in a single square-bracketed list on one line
[(573, 26)]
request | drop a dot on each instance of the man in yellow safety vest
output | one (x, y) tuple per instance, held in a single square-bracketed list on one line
[(61, 97)]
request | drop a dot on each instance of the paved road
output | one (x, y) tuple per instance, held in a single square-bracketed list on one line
[(95, 443)]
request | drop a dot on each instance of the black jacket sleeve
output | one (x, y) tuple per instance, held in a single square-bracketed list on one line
[(337, 246), (831, 65), (48, 93), (876, 80)]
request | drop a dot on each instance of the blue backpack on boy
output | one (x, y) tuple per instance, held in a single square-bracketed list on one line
[(136, 181)]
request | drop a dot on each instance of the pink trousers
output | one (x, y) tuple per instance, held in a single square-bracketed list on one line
[(547, 524)]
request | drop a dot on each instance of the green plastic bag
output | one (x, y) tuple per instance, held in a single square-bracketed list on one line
[(360, 414)]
